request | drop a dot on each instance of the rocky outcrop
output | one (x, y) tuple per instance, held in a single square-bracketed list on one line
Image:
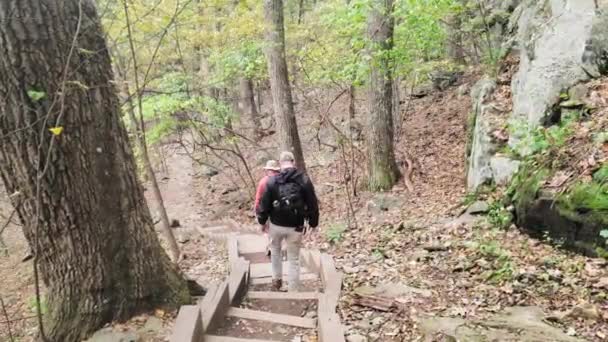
[(483, 164), (482, 147), (561, 43), (543, 217)]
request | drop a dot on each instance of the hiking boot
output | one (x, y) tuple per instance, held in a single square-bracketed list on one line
[(277, 284)]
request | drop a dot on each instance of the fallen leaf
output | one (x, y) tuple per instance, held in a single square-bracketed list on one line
[(56, 130), (602, 283)]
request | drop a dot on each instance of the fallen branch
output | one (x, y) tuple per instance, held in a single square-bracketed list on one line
[(377, 302), (8, 321)]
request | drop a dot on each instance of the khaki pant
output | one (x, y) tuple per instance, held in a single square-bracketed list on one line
[(293, 240)]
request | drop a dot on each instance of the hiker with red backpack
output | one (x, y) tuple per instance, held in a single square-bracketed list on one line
[(289, 201), (272, 168)]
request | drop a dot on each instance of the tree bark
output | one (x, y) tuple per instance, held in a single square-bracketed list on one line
[(351, 102), (279, 81), (383, 170), (93, 235), (248, 107)]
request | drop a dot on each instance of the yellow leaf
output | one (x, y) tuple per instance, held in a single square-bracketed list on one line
[(56, 130)]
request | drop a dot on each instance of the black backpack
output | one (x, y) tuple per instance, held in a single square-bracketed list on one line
[(290, 197)]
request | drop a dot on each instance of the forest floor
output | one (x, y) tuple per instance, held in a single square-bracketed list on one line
[(411, 243)]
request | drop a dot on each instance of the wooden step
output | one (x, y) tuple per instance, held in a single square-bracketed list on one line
[(265, 270), (252, 243), (214, 338), (283, 295), (295, 321), (268, 280)]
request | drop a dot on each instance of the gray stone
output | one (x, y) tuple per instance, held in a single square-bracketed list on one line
[(560, 44), (514, 324), (383, 202), (478, 207), (378, 320), (578, 92), (482, 146), (153, 324), (109, 335), (356, 338), (503, 169), (350, 269), (364, 324)]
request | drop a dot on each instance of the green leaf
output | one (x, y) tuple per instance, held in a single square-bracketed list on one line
[(35, 95)]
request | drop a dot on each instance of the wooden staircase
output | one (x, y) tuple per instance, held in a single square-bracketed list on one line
[(220, 310)]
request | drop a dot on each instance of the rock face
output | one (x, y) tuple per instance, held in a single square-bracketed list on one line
[(575, 231), (482, 147), (552, 37), (560, 43)]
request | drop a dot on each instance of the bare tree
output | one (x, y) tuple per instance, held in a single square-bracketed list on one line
[(279, 81), (383, 170), (64, 154)]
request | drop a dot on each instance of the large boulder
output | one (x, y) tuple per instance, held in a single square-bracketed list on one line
[(561, 43)]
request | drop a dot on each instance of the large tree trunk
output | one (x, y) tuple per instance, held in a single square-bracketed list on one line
[(84, 213), (248, 107), (383, 170), (279, 81)]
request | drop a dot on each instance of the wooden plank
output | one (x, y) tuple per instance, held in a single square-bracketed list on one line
[(314, 260), (215, 307), (330, 328), (252, 243), (233, 251), (188, 325), (283, 295), (214, 338), (305, 258), (332, 281), (328, 267), (268, 280), (295, 321), (237, 281), (265, 269)]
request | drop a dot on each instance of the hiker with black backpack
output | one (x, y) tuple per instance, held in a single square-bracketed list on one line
[(289, 201)]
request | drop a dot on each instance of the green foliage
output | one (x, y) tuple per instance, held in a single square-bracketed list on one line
[(601, 138), (535, 140), (335, 48), (379, 253), (502, 265), (526, 183), (334, 233), (35, 95), (498, 216), (586, 197), (601, 175)]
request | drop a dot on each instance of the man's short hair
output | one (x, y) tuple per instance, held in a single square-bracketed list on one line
[(286, 156)]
